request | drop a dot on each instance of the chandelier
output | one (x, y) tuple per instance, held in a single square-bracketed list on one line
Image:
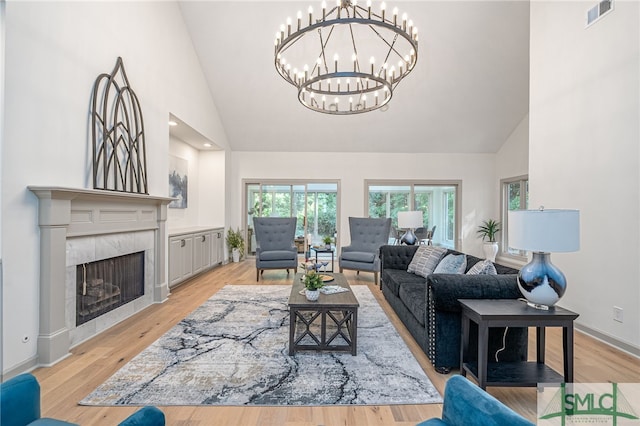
[(347, 59)]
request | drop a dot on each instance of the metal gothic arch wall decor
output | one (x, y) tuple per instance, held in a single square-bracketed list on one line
[(119, 154)]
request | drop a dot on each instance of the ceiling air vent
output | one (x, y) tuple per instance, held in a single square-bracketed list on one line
[(598, 11)]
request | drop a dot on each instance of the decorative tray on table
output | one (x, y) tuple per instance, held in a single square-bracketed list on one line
[(325, 278)]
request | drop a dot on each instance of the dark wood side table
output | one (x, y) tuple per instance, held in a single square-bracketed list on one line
[(328, 324), (514, 313), (323, 249)]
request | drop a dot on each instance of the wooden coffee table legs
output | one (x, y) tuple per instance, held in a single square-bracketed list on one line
[(337, 329)]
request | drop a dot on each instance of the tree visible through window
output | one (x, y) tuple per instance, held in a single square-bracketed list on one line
[(387, 201)]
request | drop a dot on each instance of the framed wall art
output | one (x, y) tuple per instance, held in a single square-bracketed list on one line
[(178, 182)]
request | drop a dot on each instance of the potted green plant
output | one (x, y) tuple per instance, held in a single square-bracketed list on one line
[(488, 230), (327, 242), (312, 284), (235, 243)]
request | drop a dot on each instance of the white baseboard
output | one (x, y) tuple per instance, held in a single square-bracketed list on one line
[(609, 340)]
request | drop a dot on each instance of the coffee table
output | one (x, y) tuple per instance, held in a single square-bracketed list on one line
[(328, 324)]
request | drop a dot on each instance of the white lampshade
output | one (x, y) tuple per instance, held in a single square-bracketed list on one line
[(545, 231), (410, 219)]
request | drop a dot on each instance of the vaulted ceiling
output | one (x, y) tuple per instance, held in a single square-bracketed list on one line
[(468, 92)]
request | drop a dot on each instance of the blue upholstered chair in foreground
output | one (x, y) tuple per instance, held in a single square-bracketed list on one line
[(20, 406), (275, 246), (367, 236), (465, 404)]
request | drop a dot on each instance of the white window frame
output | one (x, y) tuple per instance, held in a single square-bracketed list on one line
[(521, 255)]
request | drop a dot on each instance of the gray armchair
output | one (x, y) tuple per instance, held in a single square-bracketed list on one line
[(275, 246), (367, 236)]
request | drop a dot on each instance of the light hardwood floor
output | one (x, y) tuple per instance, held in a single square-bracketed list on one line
[(92, 362)]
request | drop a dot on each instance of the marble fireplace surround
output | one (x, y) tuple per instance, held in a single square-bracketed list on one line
[(69, 220)]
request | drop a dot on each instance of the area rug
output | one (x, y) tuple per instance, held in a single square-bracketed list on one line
[(233, 350)]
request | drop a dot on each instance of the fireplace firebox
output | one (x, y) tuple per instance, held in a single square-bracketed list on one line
[(104, 285)]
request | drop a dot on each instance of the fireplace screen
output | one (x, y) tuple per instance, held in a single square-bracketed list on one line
[(107, 284)]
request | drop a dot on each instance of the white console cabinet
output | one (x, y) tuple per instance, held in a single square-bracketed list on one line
[(218, 246), (193, 251)]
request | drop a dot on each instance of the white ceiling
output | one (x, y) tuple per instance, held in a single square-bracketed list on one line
[(188, 134), (468, 92)]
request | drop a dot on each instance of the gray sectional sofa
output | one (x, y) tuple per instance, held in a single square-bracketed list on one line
[(429, 306)]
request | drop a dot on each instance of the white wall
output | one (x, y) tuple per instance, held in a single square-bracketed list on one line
[(2, 79), (2, 44), (54, 52), (513, 157), (584, 154), (211, 192), (475, 171)]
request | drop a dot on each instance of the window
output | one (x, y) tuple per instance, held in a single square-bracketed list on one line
[(314, 204), (449, 214), (388, 200), (514, 196), (438, 202), (423, 200)]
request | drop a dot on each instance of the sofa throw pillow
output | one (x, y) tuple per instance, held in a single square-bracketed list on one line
[(452, 264), (484, 267), (425, 260)]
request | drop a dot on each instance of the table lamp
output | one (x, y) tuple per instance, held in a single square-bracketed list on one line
[(409, 220), (543, 232)]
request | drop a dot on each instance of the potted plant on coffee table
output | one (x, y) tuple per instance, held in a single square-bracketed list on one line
[(488, 230), (235, 243), (312, 284)]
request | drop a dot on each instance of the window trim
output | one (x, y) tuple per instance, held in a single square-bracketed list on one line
[(504, 209)]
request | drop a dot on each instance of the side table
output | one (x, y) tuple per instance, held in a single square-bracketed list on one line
[(514, 313), (323, 249)]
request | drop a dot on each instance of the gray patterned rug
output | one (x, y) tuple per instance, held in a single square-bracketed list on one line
[(233, 350)]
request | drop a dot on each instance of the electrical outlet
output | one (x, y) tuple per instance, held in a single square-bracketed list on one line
[(618, 314)]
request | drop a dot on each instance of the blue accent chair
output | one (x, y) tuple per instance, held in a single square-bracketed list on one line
[(275, 245), (466, 404), (20, 406), (367, 236)]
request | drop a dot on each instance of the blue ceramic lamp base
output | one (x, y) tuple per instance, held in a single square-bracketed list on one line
[(409, 238), (541, 282)]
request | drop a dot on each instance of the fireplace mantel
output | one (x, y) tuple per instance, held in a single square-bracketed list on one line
[(71, 212), (62, 192)]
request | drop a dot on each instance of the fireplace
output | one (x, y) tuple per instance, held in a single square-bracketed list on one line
[(105, 285), (103, 305), (85, 229)]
